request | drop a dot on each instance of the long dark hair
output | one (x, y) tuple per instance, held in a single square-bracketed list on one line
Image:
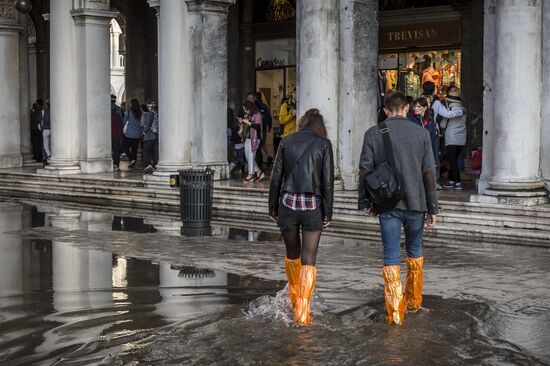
[(314, 121), (135, 107), (252, 108)]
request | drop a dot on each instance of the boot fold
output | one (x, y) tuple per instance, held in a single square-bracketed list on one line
[(415, 281), (393, 291), (292, 269), (308, 275)]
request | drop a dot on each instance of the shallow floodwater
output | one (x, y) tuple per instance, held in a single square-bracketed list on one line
[(67, 305)]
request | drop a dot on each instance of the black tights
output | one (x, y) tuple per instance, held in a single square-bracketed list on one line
[(307, 248)]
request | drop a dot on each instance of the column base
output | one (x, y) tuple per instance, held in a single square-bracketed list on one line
[(167, 227), (221, 169), (57, 167), (11, 161), (92, 166), (160, 179), (29, 162), (515, 193)]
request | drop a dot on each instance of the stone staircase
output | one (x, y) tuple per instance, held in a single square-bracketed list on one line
[(239, 206)]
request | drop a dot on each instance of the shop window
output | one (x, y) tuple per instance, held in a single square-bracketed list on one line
[(407, 71)]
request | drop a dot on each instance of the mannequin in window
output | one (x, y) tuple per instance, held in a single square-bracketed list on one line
[(412, 84), (430, 73)]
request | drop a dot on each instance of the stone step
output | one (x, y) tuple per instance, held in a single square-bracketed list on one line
[(457, 219)]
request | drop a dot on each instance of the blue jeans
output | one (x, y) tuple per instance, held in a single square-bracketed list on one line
[(390, 228)]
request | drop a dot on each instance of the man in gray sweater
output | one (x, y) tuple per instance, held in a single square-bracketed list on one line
[(414, 160)]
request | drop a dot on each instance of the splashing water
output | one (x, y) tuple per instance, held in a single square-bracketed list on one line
[(278, 307)]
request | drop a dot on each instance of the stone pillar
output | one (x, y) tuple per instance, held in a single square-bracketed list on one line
[(489, 78), (545, 114), (175, 96), (317, 28), (208, 42), (358, 84), (33, 73), (515, 174), (247, 61), (10, 107), (65, 126), (92, 23), (24, 93), (234, 94)]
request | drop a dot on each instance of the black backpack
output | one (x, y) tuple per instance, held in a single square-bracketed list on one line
[(384, 185)]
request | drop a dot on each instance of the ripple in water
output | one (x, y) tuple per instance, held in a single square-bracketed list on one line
[(277, 307)]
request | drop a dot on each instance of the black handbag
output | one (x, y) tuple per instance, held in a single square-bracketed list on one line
[(383, 185)]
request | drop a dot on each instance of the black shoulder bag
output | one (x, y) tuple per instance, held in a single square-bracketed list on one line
[(384, 185)]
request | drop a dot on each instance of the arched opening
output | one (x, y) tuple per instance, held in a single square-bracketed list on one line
[(118, 57)]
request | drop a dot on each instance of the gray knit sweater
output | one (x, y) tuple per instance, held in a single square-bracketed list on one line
[(413, 154)]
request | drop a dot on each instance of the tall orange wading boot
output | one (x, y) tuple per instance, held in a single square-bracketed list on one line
[(415, 280), (292, 269), (393, 291), (308, 274)]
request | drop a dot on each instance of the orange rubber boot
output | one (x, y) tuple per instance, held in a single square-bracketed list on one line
[(292, 269), (393, 291), (415, 280), (308, 274)]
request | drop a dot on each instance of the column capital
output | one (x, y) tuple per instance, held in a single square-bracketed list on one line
[(92, 4), (209, 6), (93, 16), (155, 4), (9, 18)]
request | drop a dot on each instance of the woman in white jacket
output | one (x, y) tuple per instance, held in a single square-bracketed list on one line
[(455, 136)]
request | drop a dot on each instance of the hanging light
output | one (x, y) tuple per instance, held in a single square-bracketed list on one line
[(280, 11), (23, 6)]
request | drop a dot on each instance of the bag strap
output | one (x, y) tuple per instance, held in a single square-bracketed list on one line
[(385, 131)]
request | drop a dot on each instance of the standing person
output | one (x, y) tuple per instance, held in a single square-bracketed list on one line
[(132, 132), (117, 117), (250, 125), (45, 126), (267, 122), (411, 150), (150, 130), (422, 117), (36, 135), (236, 158), (301, 194), (455, 137), (287, 115)]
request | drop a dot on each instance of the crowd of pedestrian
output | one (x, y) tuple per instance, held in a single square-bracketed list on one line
[(130, 129)]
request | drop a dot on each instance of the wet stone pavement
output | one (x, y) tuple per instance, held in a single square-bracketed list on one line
[(82, 287)]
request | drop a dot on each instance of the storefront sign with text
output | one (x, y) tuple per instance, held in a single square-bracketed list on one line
[(420, 35)]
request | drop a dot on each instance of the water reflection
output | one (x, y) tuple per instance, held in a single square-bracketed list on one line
[(61, 301)]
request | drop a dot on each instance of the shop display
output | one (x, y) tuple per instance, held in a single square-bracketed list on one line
[(407, 71), (412, 85)]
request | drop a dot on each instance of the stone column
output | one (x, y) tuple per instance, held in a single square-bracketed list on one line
[(545, 114), (208, 42), (92, 23), (515, 174), (317, 30), (65, 126), (175, 93), (358, 82), (24, 93), (10, 107)]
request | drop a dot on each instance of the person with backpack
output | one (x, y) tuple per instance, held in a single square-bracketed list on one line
[(117, 117), (397, 186), (301, 193), (150, 137), (250, 126)]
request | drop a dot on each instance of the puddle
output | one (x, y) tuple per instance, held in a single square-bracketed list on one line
[(68, 304)]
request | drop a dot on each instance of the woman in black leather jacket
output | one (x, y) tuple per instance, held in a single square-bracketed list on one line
[(300, 197)]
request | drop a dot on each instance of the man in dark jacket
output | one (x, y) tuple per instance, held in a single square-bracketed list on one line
[(36, 135), (45, 126), (116, 132), (414, 160)]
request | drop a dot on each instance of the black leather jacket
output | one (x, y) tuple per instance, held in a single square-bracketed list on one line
[(304, 164)]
